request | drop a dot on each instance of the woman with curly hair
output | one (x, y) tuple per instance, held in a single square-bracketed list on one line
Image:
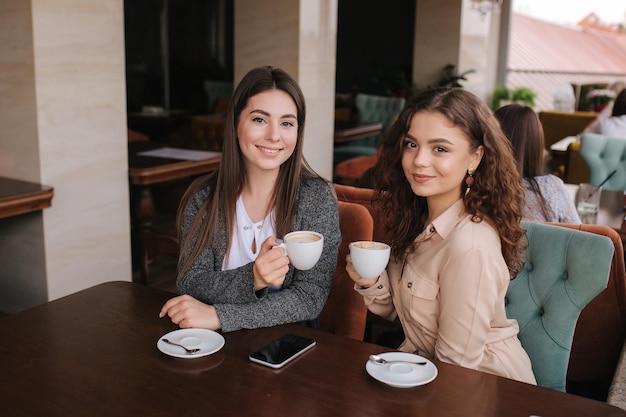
[(452, 197)]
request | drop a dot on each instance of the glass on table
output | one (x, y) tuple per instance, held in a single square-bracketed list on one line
[(588, 202)]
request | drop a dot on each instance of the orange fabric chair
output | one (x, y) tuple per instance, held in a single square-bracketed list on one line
[(345, 312), (351, 170), (134, 136), (363, 196)]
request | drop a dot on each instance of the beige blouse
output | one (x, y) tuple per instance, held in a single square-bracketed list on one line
[(449, 295)]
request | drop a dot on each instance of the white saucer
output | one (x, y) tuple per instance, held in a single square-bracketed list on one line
[(206, 340), (402, 375)]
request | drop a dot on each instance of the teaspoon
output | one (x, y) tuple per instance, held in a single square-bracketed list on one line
[(169, 342), (381, 361)]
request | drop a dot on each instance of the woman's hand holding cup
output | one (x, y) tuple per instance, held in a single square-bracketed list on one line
[(270, 267), (366, 261)]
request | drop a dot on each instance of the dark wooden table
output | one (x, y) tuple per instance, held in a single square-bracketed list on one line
[(20, 197), (347, 131), (143, 172), (94, 353)]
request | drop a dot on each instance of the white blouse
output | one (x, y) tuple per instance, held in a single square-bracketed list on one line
[(614, 126), (245, 231)]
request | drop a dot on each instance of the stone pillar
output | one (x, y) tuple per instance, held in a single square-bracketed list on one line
[(451, 32), (437, 40), (63, 124)]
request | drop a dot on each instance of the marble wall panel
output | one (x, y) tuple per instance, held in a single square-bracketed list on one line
[(437, 39), (63, 124), (81, 108)]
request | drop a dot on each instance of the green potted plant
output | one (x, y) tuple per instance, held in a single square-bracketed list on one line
[(524, 95), (451, 78), (501, 96)]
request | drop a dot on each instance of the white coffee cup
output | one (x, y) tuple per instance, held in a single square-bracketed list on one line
[(369, 258), (303, 248)]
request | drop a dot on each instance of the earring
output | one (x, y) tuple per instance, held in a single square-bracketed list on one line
[(469, 180)]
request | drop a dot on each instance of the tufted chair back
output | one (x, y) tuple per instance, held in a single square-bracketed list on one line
[(378, 109), (216, 90), (564, 270), (371, 108), (604, 154)]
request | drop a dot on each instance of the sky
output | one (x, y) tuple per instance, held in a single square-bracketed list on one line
[(572, 11)]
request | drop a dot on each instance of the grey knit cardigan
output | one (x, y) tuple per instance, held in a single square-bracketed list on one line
[(303, 294)]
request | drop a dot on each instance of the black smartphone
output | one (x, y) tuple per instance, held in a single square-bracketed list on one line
[(282, 350)]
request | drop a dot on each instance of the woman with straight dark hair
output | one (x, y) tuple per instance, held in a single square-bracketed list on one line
[(452, 197), (230, 220), (547, 199)]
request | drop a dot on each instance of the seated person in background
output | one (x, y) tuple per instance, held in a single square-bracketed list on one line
[(447, 179), (614, 125), (229, 221), (547, 199)]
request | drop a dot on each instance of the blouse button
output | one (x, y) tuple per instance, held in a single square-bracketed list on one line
[(409, 285), (380, 287), (432, 229)]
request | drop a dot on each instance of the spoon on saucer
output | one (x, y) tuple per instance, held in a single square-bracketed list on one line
[(169, 342), (381, 361)]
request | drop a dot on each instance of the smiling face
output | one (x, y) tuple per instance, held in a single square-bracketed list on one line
[(267, 131), (436, 158)]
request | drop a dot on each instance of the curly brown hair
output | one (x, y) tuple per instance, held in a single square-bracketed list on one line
[(497, 193)]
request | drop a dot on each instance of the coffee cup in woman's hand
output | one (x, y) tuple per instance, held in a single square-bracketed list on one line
[(303, 248), (369, 258)]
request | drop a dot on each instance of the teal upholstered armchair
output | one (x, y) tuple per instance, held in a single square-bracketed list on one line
[(371, 108), (564, 270), (216, 90), (604, 154)]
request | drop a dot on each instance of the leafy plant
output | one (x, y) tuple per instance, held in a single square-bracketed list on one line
[(451, 78), (500, 93), (600, 96), (525, 95), (522, 95)]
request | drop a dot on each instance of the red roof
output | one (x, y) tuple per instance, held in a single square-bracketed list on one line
[(545, 55)]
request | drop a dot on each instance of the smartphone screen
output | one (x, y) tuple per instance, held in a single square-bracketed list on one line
[(282, 350)]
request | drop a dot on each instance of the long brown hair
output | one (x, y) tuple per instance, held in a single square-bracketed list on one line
[(226, 184), (497, 193), (523, 128)]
